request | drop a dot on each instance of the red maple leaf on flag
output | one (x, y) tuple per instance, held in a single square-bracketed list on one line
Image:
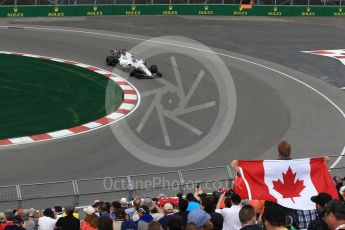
[(290, 188)]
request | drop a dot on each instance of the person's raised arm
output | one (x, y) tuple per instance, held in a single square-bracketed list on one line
[(326, 160), (159, 210), (234, 164), (221, 199)]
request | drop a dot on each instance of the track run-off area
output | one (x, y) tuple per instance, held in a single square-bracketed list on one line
[(44, 98), (273, 101)]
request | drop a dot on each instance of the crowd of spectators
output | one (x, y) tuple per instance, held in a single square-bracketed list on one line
[(223, 209)]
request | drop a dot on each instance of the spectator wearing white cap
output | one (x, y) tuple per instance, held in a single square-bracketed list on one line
[(91, 219), (123, 202), (169, 212)]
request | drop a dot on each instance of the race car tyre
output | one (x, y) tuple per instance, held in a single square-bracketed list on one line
[(133, 73), (138, 74), (111, 61), (154, 69)]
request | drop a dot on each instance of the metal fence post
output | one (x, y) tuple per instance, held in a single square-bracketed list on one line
[(231, 177), (180, 176), (76, 192), (130, 188), (19, 196)]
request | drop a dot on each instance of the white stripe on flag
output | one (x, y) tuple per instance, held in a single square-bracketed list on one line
[(247, 185)]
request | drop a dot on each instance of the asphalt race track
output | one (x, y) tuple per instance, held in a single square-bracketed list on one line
[(280, 93)]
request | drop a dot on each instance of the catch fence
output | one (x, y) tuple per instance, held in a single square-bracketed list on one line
[(85, 191)]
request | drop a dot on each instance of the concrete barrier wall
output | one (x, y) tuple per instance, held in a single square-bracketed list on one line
[(136, 10)]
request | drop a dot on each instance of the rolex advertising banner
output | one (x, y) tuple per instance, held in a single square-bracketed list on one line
[(169, 10)]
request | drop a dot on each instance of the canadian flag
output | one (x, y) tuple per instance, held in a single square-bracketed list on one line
[(290, 183)]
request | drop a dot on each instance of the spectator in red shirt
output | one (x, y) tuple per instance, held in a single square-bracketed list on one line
[(7, 220), (91, 219), (17, 224)]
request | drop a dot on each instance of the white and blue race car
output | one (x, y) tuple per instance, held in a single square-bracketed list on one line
[(137, 67)]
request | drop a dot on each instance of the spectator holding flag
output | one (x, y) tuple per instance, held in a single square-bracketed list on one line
[(290, 183)]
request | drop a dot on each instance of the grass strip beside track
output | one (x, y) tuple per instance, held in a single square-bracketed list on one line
[(39, 96)]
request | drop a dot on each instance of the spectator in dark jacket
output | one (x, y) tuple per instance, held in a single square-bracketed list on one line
[(68, 222), (175, 223), (248, 218), (169, 212), (216, 218), (320, 201), (105, 223), (183, 213), (334, 214)]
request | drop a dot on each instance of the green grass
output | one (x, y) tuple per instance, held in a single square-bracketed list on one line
[(39, 96)]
